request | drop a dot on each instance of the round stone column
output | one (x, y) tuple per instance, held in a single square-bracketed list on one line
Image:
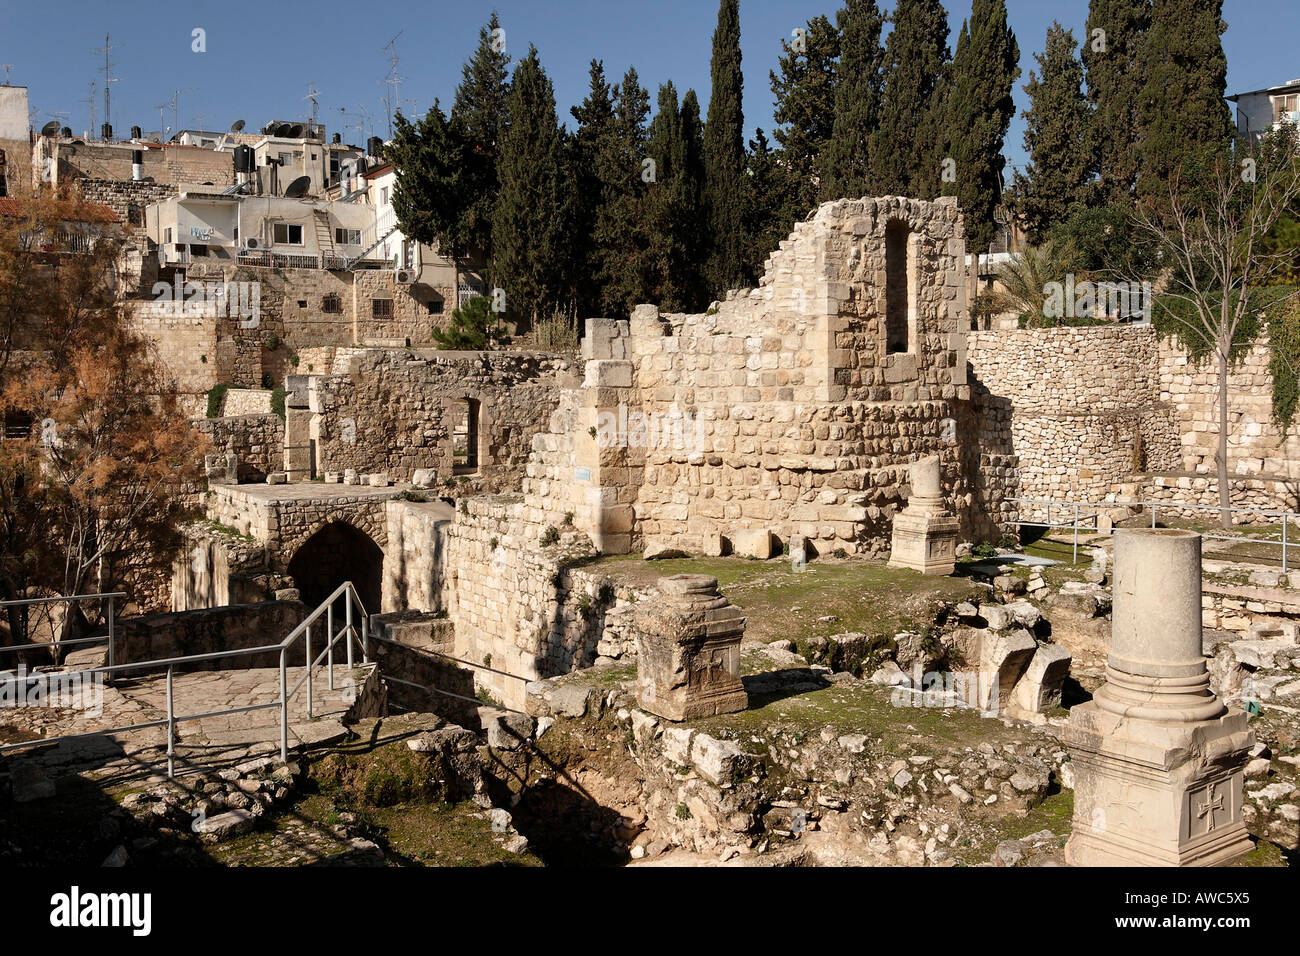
[(1156, 669)]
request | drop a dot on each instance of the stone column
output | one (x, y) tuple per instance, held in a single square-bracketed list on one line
[(688, 650), (925, 534), (1158, 758)]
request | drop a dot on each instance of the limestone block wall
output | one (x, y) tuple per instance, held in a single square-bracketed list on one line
[(246, 401), (126, 198), (1084, 404), (186, 343), (216, 629), (394, 411), (1256, 446), (167, 164), (416, 561), (257, 440), (514, 608)]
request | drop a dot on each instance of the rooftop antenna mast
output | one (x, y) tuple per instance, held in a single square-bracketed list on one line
[(109, 78), (176, 105), (6, 67), (162, 123), (312, 94), (392, 80), (90, 102), (363, 124)]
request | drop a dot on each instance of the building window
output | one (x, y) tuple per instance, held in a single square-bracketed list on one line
[(383, 196), (17, 424), (284, 159), (198, 250), (381, 308), (898, 305), (347, 237), (464, 436), (435, 306), (332, 304), (287, 233)]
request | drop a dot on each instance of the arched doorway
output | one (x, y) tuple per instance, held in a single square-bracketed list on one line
[(336, 553)]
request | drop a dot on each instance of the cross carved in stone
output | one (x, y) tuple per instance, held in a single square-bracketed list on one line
[(1213, 801)]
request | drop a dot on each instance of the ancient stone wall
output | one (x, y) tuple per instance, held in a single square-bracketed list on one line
[(256, 440), (170, 164), (214, 629), (395, 411), (416, 560), (1085, 406), (127, 199)]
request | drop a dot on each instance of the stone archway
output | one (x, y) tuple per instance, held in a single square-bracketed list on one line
[(336, 553)]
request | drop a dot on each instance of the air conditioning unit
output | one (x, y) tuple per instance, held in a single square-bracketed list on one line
[(403, 276), (252, 243)]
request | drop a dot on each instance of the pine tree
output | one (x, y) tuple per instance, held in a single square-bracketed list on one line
[(481, 109), (978, 111), (1116, 31), (905, 148), (1057, 180), (1183, 119), (724, 153), (473, 327), (846, 164), (805, 105), (532, 211)]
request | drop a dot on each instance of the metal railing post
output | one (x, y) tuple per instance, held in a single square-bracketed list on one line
[(308, 662), (284, 707), (1285, 522), (171, 724), (347, 604), (110, 631), (365, 639), (1076, 533), (329, 642), (1153, 514)]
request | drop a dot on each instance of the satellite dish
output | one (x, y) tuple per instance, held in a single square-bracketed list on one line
[(236, 126), (51, 128), (298, 187)]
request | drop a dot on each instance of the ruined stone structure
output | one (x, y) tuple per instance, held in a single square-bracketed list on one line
[(925, 535), (688, 650), (1105, 413), (1158, 757)]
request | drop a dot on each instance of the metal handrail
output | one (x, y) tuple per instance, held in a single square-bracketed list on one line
[(326, 608), (1286, 516), (109, 619)]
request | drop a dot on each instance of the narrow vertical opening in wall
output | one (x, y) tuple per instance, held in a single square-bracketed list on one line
[(898, 288), (464, 436)]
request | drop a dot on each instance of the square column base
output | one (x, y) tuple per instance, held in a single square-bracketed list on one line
[(1156, 793), (924, 542)]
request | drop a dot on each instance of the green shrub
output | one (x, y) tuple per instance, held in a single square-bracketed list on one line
[(277, 401)]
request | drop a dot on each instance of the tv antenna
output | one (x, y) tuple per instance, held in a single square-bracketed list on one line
[(108, 78), (162, 123), (394, 81), (363, 123), (90, 102), (175, 105), (6, 67), (312, 94)]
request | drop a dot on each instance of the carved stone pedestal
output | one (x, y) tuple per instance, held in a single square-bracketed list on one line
[(925, 534), (1158, 758), (688, 647)]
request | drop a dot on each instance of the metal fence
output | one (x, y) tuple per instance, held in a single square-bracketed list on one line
[(350, 633), (1085, 515)]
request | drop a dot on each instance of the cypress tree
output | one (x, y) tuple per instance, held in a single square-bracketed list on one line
[(1116, 30), (1183, 119), (904, 149), (1057, 180), (530, 225), (597, 166), (724, 153), (805, 105), (848, 168), (624, 235), (481, 109), (674, 204), (978, 111)]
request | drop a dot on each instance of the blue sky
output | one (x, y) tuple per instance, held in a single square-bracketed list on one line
[(260, 60)]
